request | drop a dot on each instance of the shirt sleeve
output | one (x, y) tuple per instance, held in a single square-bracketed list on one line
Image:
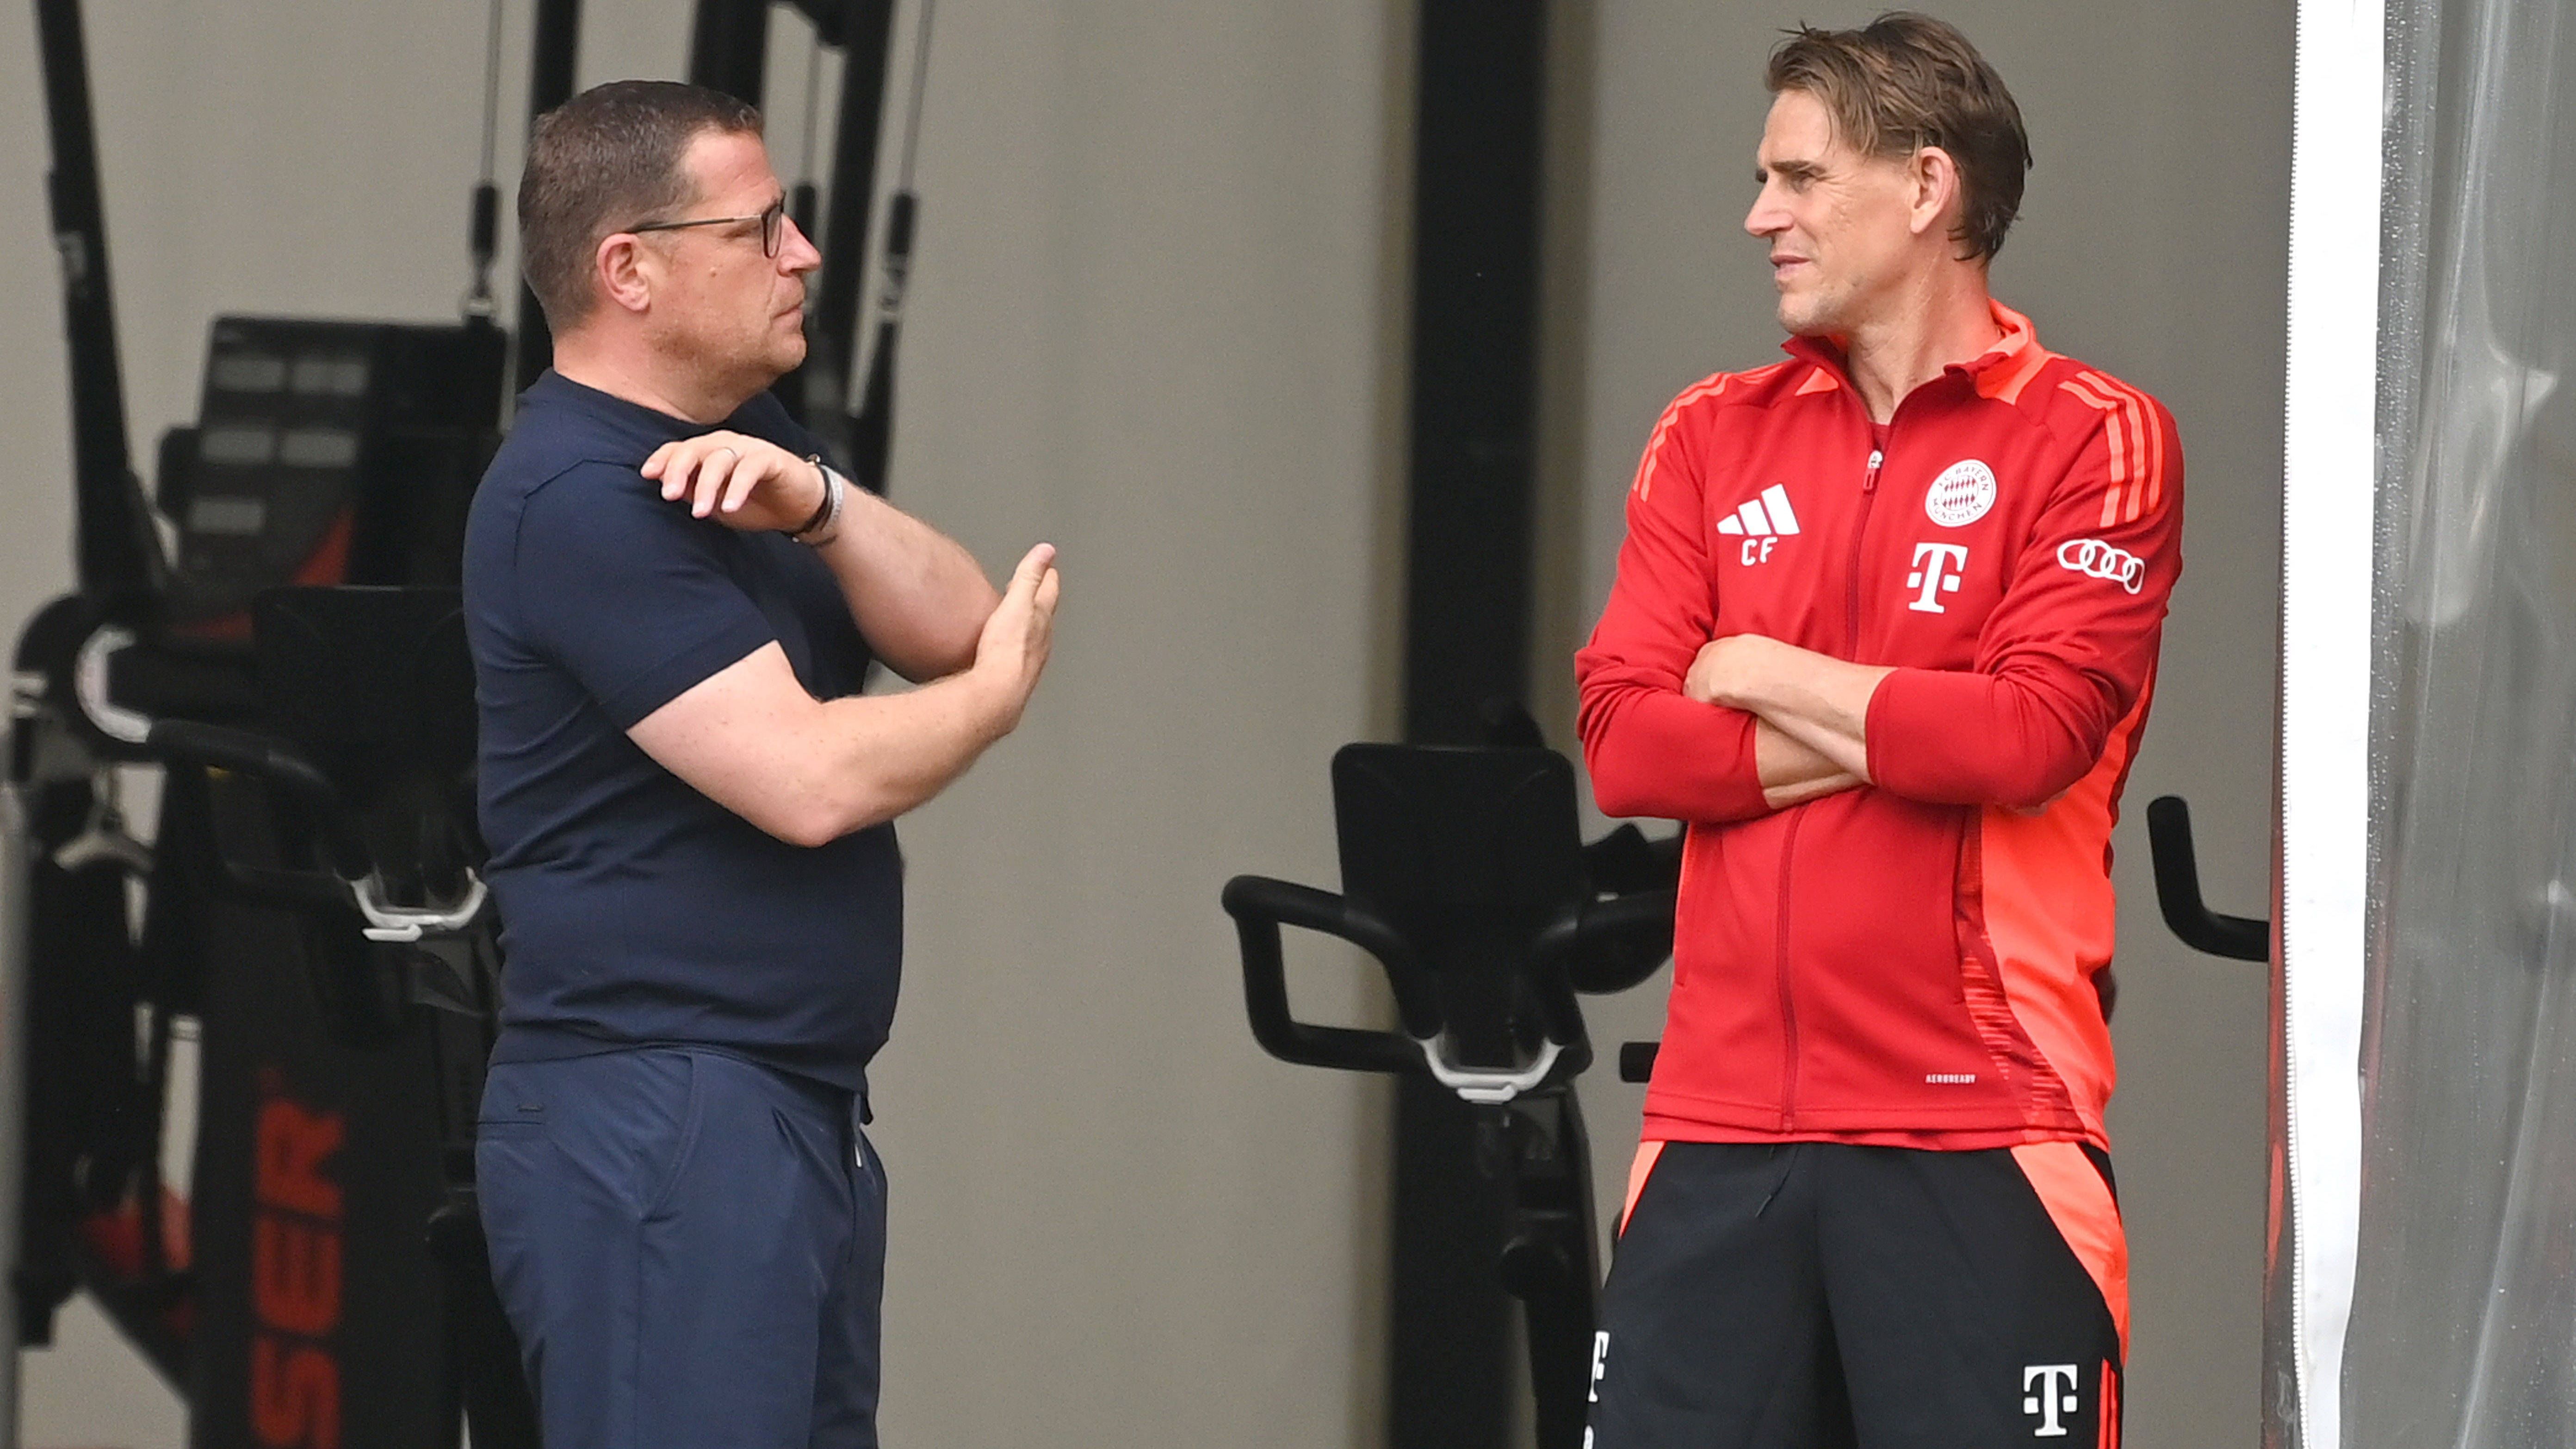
[(2065, 655), (1650, 750), (629, 593)]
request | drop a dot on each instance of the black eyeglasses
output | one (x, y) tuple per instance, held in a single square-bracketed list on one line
[(770, 225)]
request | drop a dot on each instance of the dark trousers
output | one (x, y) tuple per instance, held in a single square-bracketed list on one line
[(1823, 1296), (691, 1248)]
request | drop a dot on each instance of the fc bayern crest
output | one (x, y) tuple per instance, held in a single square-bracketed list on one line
[(1961, 495)]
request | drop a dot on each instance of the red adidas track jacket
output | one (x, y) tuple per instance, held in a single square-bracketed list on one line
[(1911, 963)]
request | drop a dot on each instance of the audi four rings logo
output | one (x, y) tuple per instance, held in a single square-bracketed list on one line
[(2093, 558)]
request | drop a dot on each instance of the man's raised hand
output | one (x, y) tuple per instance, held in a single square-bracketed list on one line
[(742, 482), (1012, 651)]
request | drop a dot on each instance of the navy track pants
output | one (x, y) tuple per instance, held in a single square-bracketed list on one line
[(691, 1248)]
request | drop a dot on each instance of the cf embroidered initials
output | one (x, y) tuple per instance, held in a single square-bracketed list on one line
[(2055, 1395), (1937, 567), (1762, 522)]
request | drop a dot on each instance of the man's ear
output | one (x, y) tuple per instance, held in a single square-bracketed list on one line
[(1934, 174), (626, 271)]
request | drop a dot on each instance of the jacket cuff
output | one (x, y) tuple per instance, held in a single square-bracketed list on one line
[(1679, 759), (1923, 726)]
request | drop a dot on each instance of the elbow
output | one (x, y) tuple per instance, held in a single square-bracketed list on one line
[(1618, 805), (2026, 779), (1616, 790), (2060, 751), (2034, 782), (813, 817), (2061, 773), (961, 636), (799, 823), (953, 651), (922, 660), (1626, 784), (2033, 793)]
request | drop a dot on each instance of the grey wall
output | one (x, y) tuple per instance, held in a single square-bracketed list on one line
[(2152, 243), (1156, 321), (1152, 333)]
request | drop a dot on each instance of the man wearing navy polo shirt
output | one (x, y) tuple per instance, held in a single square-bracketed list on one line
[(672, 603)]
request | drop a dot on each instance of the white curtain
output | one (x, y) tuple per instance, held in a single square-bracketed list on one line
[(2463, 1298)]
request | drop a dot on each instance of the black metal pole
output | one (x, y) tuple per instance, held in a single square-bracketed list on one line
[(729, 47), (116, 554), (1474, 410), (868, 39), (729, 52), (552, 59)]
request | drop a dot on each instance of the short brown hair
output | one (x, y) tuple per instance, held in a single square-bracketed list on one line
[(608, 158), (1905, 81)]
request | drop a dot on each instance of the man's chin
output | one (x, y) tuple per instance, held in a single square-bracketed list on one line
[(1804, 317)]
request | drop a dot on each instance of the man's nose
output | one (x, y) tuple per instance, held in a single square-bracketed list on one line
[(796, 253), (1766, 217)]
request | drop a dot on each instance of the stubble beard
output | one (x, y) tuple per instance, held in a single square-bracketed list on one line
[(1813, 313), (759, 359), (789, 352)]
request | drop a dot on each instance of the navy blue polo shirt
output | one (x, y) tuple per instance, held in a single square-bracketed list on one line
[(633, 908)]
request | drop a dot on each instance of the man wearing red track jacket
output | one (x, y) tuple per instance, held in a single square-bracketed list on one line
[(1883, 636)]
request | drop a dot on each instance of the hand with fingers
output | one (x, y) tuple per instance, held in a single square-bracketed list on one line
[(742, 482), (1013, 649), (1722, 671)]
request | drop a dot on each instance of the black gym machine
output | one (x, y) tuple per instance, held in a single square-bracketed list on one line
[(293, 664), (1465, 877)]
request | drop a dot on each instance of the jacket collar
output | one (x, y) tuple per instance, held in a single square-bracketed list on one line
[(2000, 371)]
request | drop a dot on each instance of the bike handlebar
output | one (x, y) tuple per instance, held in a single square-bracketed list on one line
[(1260, 906), (271, 763), (2240, 938), (1605, 946)]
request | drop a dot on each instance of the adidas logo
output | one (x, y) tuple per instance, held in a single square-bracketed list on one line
[(1762, 522)]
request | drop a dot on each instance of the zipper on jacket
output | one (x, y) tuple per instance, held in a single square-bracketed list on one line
[(1860, 530), (1789, 838), (1788, 1002)]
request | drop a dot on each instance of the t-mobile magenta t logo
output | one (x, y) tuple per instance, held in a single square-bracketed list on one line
[(1937, 567), (2054, 1395)]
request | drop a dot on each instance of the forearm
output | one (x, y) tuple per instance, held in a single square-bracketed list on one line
[(1792, 772), (2019, 738), (1651, 752), (879, 756), (1656, 753), (810, 771), (1942, 736), (919, 598), (1815, 700)]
